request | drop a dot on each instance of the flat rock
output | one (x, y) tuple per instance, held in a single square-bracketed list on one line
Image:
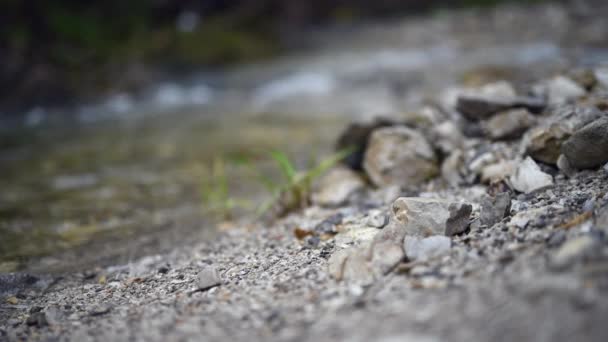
[(335, 187), (588, 147), (492, 98), (431, 216), (494, 208), (208, 277), (399, 156), (528, 177), (509, 124), (419, 249)]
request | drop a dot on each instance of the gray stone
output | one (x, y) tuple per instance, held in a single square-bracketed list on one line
[(528, 177), (369, 260), (419, 249), (494, 209), (492, 98), (399, 156), (544, 142), (588, 147), (509, 124), (208, 277), (431, 216), (335, 187)]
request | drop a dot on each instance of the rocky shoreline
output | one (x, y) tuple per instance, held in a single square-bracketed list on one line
[(475, 210), (483, 217)]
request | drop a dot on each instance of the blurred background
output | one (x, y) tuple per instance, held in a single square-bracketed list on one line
[(59, 52), (130, 127)]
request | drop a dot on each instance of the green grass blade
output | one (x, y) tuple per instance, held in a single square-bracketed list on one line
[(285, 165), (326, 164)]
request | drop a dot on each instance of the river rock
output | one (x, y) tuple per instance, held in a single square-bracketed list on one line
[(588, 147), (528, 177), (494, 208), (356, 136), (432, 216), (399, 156), (492, 98), (509, 124), (208, 277), (420, 249), (335, 187), (544, 142)]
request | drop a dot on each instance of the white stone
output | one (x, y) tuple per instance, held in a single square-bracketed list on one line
[(528, 177)]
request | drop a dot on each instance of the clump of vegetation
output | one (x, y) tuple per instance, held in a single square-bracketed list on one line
[(291, 192), (294, 192)]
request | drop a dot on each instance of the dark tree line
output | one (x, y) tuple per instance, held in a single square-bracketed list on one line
[(53, 50)]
